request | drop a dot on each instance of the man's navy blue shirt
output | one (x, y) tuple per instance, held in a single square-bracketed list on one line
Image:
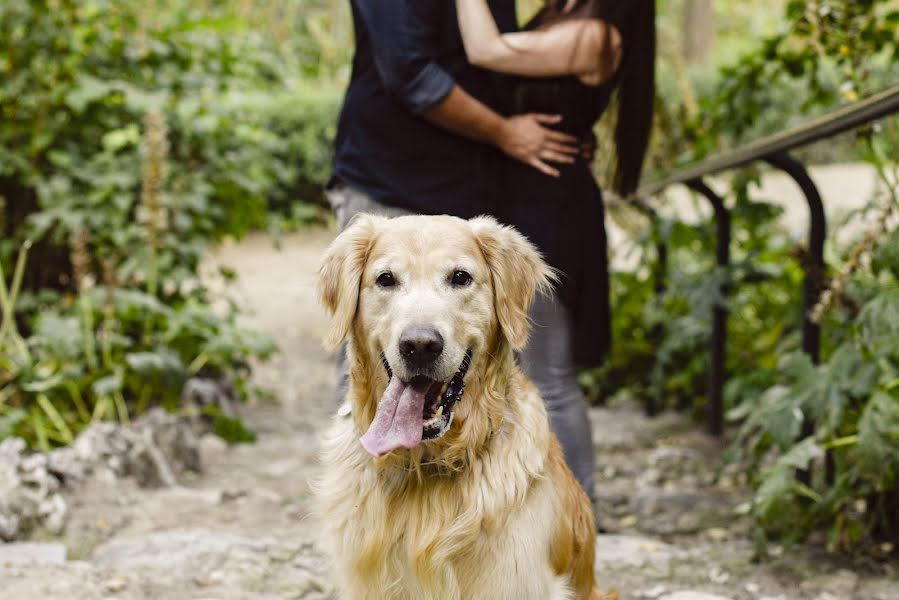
[(409, 54)]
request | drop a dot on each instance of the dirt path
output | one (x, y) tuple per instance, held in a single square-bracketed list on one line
[(242, 530)]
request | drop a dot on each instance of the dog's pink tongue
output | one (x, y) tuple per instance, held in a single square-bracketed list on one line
[(398, 420)]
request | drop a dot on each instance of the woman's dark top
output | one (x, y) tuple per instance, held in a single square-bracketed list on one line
[(564, 216)]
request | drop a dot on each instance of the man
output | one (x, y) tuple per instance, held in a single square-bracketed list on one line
[(416, 133)]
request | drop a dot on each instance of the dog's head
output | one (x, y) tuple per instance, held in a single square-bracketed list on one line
[(428, 302)]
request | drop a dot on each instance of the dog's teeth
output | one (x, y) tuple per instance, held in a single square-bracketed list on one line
[(440, 410)]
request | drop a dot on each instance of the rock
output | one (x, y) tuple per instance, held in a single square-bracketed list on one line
[(212, 445), (27, 553), (155, 450), (718, 575), (29, 492), (115, 585), (54, 510), (631, 550), (163, 446), (180, 553), (653, 592), (199, 392), (690, 595), (841, 584), (209, 496)]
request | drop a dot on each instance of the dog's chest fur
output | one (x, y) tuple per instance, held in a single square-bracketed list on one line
[(482, 533)]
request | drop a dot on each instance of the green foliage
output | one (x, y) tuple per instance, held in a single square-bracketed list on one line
[(828, 53), (133, 136), (852, 399), (662, 335), (837, 420), (232, 430)]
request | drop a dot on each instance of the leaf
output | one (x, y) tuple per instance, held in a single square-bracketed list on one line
[(119, 138), (803, 453), (109, 385), (87, 89), (232, 430), (879, 324), (9, 421), (878, 431), (161, 362), (782, 415)]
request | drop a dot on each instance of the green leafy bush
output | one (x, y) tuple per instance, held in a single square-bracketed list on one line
[(131, 138), (820, 443), (852, 398)]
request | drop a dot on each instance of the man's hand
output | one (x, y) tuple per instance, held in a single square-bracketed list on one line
[(524, 137), (528, 139)]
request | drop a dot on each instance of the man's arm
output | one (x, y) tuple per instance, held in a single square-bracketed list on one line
[(523, 137), (404, 56)]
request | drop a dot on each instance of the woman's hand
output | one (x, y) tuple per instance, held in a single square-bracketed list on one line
[(528, 139)]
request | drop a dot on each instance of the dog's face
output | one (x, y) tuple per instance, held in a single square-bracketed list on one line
[(426, 298)]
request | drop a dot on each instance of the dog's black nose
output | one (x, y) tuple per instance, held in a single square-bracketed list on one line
[(420, 346)]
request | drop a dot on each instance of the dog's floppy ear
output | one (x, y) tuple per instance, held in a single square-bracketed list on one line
[(340, 275), (518, 273)]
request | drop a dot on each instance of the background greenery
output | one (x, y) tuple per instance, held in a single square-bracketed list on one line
[(136, 134)]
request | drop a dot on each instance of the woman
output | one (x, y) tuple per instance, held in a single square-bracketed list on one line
[(574, 54)]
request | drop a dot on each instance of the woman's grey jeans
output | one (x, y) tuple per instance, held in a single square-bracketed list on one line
[(547, 359)]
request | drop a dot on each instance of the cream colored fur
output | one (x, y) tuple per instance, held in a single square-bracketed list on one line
[(489, 511)]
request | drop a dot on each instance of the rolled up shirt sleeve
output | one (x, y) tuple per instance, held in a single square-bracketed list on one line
[(402, 39)]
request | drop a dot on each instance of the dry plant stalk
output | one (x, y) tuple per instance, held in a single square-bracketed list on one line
[(153, 210), (79, 256), (81, 261), (154, 173), (110, 284), (859, 255)]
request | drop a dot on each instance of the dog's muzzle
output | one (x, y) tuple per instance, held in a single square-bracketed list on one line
[(413, 411)]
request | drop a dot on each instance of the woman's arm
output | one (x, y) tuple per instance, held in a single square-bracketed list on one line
[(574, 47)]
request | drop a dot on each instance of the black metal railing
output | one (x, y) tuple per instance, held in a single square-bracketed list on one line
[(774, 150)]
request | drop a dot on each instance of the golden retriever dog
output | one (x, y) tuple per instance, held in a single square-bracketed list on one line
[(444, 481)]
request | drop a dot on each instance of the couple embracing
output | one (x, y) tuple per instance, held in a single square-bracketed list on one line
[(452, 109)]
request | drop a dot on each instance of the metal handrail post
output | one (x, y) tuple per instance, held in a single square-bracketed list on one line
[(718, 367)]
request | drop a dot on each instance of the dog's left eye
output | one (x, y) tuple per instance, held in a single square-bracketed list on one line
[(461, 279), (386, 280)]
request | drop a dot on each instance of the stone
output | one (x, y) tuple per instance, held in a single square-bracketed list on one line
[(653, 592), (691, 595), (718, 575), (179, 553), (31, 553), (212, 445), (155, 450), (162, 446), (632, 550), (29, 492), (841, 584), (115, 585)]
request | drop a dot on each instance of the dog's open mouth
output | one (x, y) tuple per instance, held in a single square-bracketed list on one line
[(413, 411)]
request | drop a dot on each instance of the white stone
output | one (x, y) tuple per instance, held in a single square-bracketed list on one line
[(181, 553), (632, 550), (28, 553), (691, 595)]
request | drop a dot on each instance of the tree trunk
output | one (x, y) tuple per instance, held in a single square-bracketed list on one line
[(698, 30)]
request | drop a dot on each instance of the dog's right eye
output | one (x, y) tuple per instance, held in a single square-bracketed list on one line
[(386, 280), (461, 279)]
